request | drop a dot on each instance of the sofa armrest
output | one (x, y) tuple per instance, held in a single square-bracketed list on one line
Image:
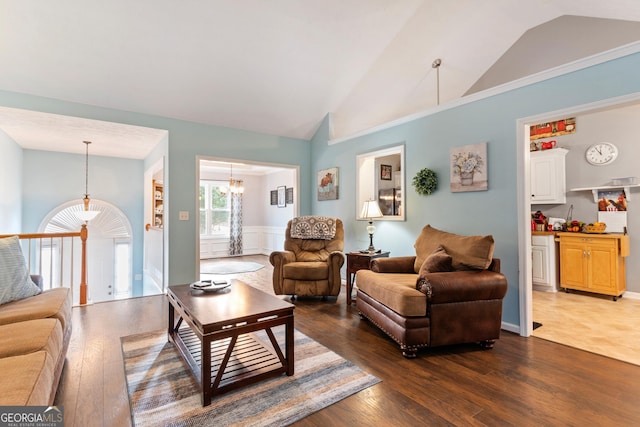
[(471, 285), (400, 264)]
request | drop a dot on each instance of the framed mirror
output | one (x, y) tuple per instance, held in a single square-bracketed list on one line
[(380, 177)]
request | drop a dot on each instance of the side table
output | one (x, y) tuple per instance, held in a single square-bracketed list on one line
[(359, 261)]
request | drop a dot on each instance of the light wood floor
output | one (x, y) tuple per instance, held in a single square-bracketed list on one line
[(590, 322), (521, 382)]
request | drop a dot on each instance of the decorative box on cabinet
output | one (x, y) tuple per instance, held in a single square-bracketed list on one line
[(594, 262), (544, 262), (548, 176)]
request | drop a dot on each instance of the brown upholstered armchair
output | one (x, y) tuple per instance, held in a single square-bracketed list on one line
[(312, 257), (450, 292)]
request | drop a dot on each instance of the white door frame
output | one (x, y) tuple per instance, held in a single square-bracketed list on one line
[(150, 258)]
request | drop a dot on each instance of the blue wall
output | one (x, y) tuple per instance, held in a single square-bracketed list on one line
[(10, 185), (428, 142), (186, 141)]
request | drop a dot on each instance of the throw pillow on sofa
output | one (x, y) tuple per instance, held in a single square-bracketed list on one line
[(438, 261), (468, 252), (15, 282)]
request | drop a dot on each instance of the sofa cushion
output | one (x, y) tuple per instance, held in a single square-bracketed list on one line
[(467, 252), (437, 262), (306, 271), (395, 290), (26, 379), (54, 303), (31, 336), (15, 282)]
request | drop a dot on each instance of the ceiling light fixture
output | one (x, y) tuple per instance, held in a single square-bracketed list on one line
[(436, 64), (235, 185), (86, 215)]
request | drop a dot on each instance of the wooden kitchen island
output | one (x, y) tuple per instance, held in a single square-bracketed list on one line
[(594, 262)]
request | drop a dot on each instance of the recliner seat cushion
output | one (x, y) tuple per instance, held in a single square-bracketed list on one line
[(467, 252), (306, 271), (395, 290)]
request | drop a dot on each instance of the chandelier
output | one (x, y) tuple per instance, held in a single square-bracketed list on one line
[(86, 215), (235, 185)]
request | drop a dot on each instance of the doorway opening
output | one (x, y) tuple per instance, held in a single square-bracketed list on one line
[(579, 174), (231, 222)]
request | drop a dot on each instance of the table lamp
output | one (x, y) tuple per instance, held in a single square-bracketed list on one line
[(371, 210)]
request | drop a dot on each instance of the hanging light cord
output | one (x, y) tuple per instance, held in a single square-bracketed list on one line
[(436, 64), (86, 170)]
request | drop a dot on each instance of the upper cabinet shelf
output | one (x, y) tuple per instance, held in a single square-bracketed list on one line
[(594, 190)]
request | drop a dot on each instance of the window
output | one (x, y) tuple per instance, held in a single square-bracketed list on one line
[(122, 273), (214, 208)]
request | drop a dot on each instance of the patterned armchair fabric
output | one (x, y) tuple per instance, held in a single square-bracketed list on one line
[(309, 267)]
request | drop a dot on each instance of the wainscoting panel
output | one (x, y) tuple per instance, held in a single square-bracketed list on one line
[(256, 240)]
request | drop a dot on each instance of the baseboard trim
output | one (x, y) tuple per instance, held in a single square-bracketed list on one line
[(510, 327), (631, 295)]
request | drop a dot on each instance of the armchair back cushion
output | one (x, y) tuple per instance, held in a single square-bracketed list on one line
[(467, 252), (306, 250), (309, 267)]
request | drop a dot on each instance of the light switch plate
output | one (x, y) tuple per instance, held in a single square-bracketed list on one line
[(183, 216)]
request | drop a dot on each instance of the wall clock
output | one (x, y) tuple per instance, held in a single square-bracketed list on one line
[(601, 153)]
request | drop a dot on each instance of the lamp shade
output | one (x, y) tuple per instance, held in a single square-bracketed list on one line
[(370, 209)]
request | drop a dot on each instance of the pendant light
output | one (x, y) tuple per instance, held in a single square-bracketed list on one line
[(86, 215), (235, 185)]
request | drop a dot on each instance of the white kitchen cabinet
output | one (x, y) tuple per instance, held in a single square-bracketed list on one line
[(548, 176), (544, 262)]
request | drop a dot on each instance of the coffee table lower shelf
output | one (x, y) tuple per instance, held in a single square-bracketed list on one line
[(250, 360)]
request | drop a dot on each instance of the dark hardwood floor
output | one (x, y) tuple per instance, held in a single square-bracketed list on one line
[(521, 382)]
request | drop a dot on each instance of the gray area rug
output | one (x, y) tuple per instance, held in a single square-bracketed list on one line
[(229, 267), (162, 391)]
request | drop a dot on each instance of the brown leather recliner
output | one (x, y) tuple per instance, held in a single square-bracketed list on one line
[(461, 303), (309, 266)]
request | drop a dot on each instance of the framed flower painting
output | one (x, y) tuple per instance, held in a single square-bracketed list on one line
[(469, 168)]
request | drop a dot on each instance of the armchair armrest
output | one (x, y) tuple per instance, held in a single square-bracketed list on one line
[(281, 257), (400, 264), (472, 285), (336, 258), (278, 259)]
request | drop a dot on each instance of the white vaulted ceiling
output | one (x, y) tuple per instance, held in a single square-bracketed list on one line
[(280, 66)]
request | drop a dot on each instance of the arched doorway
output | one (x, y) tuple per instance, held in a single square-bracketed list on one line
[(109, 247)]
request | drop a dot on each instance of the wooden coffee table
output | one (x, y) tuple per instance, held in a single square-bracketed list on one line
[(218, 336)]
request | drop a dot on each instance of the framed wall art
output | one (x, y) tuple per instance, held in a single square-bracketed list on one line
[(385, 172), (274, 197), (328, 184), (282, 201), (469, 168)]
